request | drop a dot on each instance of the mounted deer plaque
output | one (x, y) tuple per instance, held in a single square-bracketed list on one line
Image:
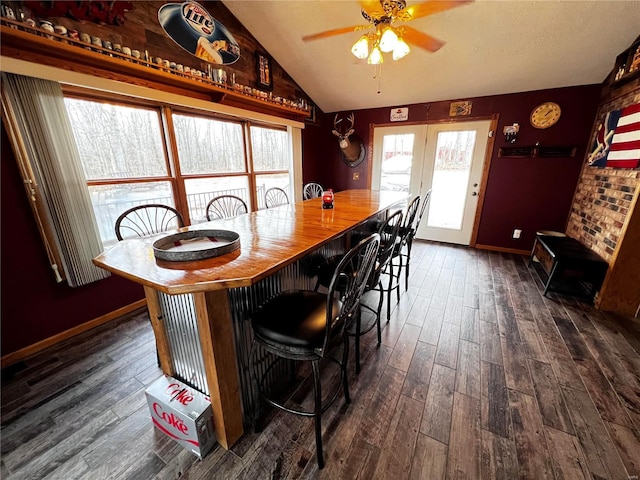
[(351, 145)]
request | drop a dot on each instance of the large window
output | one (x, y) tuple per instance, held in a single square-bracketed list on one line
[(134, 154), (123, 157), (270, 152)]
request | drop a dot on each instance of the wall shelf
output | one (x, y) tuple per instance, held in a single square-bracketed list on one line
[(537, 151), (627, 66), (35, 45)]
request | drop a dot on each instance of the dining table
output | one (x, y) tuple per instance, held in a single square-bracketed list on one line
[(201, 309)]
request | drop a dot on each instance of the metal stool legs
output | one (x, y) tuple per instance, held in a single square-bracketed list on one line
[(318, 409)]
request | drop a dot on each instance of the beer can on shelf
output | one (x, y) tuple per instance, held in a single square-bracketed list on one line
[(47, 26)]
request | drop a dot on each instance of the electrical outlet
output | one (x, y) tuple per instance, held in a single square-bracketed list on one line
[(356, 175), (516, 233)]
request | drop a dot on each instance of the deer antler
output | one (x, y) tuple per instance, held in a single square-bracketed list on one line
[(335, 125), (351, 119), (348, 131)]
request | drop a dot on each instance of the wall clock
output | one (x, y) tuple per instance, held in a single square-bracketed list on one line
[(545, 115)]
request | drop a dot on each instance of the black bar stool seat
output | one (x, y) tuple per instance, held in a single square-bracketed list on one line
[(389, 239), (295, 320), (304, 325)]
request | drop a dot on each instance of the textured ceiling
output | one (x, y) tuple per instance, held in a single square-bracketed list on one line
[(492, 47)]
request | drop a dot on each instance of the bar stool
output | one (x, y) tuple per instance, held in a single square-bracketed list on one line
[(412, 234), (275, 196), (303, 325), (312, 190), (148, 219), (145, 220), (388, 231), (225, 206), (401, 243)]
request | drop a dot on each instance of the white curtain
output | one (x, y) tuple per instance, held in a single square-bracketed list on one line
[(36, 107)]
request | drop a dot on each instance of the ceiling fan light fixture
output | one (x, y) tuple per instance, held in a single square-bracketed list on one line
[(388, 40), (361, 48), (376, 56), (401, 50)]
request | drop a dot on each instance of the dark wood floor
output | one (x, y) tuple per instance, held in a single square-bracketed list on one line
[(478, 376)]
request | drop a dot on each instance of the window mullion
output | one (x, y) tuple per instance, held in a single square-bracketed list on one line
[(253, 188), (173, 163)]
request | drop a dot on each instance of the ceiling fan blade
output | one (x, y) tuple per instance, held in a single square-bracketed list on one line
[(430, 7), (422, 40), (329, 33)]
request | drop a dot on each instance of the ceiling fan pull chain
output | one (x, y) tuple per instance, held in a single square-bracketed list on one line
[(378, 74)]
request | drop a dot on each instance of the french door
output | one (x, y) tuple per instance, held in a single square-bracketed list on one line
[(444, 158)]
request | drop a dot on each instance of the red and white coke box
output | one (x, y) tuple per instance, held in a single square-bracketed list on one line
[(182, 413)]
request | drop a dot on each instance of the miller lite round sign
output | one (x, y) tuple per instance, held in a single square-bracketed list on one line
[(191, 26)]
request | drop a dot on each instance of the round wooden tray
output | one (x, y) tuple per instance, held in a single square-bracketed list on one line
[(196, 245)]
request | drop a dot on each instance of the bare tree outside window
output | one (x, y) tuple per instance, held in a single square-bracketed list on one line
[(124, 152)]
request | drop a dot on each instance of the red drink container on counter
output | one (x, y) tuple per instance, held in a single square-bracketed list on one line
[(327, 199)]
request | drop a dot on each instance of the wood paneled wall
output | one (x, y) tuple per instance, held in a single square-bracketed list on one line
[(142, 31)]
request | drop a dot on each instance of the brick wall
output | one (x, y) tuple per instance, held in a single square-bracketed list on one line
[(602, 202), (604, 197)]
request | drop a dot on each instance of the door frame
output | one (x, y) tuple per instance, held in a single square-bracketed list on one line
[(486, 165)]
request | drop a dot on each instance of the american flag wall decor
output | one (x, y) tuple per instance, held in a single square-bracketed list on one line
[(625, 144), (617, 139)]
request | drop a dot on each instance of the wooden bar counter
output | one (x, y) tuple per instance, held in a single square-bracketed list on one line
[(274, 246)]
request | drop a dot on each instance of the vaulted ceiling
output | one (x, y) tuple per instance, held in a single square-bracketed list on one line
[(491, 47)]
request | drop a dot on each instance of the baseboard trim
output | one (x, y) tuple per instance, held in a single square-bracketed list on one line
[(502, 249), (30, 350)]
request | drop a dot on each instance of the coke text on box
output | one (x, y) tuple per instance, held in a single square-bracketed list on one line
[(182, 413)]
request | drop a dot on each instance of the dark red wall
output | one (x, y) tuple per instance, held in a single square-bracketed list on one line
[(34, 306), (530, 194), (526, 193)]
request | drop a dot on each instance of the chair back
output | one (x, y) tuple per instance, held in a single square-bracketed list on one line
[(389, 231), (225, 206), (409, 219), (312, 190), (275, 196), (145, 220), (349, 282), (425, 201)]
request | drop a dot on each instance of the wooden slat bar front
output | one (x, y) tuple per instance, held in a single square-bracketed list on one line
[(270, 240)]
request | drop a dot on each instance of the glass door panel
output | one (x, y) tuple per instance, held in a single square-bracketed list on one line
[(397, 162), (446, 158), (397, 159), (453, 162), (450, 178)]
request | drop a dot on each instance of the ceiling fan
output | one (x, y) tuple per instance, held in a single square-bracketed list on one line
[(385, 36)]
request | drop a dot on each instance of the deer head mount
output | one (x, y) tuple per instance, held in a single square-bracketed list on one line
[(351, 145)]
